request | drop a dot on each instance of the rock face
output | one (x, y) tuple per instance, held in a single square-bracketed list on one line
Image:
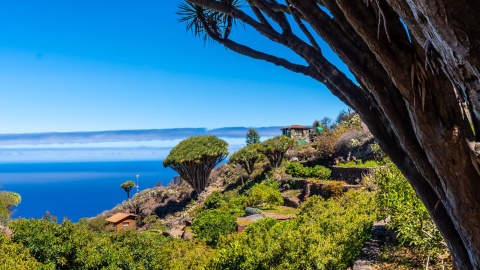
[(350, 175), (354, 144)]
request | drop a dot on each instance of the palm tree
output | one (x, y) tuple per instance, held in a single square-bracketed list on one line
[(127, 186)]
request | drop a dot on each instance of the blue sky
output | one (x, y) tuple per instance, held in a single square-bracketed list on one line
[(98, 65)]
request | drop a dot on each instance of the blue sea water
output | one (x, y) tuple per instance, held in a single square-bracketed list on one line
[(77, 189)]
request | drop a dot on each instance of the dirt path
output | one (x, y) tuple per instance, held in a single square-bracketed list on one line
[(371, 251)]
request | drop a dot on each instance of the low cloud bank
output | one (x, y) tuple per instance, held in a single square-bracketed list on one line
[(121, 145), (128, 135)]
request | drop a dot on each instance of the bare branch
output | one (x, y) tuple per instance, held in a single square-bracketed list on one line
[(302, 26), (260, 16), (278, 17)]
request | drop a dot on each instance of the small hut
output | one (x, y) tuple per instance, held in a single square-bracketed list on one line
[(298, 133), (123, 221)]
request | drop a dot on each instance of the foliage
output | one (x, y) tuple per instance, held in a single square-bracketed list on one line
[(327, 122), (214, 200), (199, 19), (181, 255), (333, 189), (127, 186), (194, 158), (68, 246), (298, 170), (247, 157), (324, 144), (275, 149), (7, 201), (95, 224), (409, 217), (209, 225), (378, 154), (51, 243), (344, 116), (264, 195), (14, 256), (252, 136), (326, 235), (407, 94), (360, 163)]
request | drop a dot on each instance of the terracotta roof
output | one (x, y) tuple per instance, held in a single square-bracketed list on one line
[(119, 216), (295, 127)]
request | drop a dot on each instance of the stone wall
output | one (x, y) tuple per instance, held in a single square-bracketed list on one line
[(351, 175)]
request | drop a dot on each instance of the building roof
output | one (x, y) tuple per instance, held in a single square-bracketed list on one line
[(295, 127), (119, 217)]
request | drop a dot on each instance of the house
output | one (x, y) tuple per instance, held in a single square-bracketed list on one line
[(299, 133), (123, 221)]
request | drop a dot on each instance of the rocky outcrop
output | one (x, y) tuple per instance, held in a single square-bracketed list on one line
[(351, 175)]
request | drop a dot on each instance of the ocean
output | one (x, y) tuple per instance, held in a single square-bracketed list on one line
[(77, 189)]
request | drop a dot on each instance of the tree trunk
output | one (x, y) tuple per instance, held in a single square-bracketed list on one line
[(413, 88)]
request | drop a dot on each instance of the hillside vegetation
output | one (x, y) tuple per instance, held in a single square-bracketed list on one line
[(272, 206)]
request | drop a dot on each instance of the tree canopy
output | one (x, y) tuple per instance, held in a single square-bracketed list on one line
[(247, 157), (252, 136), (417, 88), (194, 158), (275, 149), (7, 201), (127, 186)]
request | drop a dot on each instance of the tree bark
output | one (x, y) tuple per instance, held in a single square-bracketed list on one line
[(412, 88)]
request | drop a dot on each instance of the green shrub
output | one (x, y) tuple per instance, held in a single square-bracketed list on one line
[(320, 172), (95, 224), (295, 169), (181, 255), (264, 195), (234, 203), (298, 170), (327, 234), (14, 256), (214, 200), (359, 163), (209, 225), (409, 217), (333, 189), (7, 201)]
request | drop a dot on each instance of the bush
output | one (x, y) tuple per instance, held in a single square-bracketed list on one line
[(14, 256), (409, 217), (359, 163), (214, 200), (333, 189), (264, 195), (298, 170), (69, 246), (95, 224), (320, 172), (209, 225), (326, 235)]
